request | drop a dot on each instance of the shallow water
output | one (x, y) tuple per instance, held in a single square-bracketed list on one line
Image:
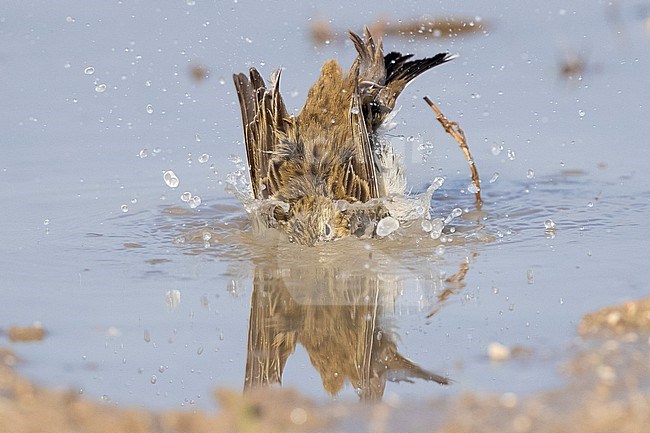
[(135, 316)]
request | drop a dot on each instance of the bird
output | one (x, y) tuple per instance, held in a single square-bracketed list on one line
[(324, 171)]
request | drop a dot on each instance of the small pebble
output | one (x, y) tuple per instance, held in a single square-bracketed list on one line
[(498, 352)]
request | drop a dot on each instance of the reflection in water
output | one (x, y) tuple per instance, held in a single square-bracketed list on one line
[(337, 300), (339, 317)]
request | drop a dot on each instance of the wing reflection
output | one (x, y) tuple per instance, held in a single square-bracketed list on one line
[(338, 315)]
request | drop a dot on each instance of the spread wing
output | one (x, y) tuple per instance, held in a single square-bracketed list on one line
[(265, 121)]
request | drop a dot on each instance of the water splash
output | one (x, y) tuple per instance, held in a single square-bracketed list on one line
[(404, 209), (386, 226)]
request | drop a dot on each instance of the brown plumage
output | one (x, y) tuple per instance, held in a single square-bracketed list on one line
[(328, 152), (340, 322)]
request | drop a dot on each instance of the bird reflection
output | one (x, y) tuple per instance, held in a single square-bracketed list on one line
[(338, 317)]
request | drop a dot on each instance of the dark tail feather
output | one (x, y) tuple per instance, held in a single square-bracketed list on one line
[(400, 68)]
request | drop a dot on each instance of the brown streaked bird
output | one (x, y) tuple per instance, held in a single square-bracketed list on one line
[(340, 322), (331, 151)]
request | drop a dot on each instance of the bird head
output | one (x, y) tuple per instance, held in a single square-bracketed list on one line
[(313, 220)]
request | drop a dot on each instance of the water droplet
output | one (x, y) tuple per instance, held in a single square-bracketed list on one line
[(199, 350), (124, 208), (172, 299), (197, 137), (100, 88), (511, 155), (170, 178), (530, 174), (426, 226), (147, 336), (195, 201), (235, 159), (590, 204), (354, 110), (143, 153), (454, 214), (386, 226), (473, 188), (153, 379), (437, 224), (496, 149), (149, 109), (530, 276), (561, 301), (207, 235), (440, 250), (581, 113), (204, 158), (89, 70), (186, 196), (549, 224), (435, 185), (494, 177), (161, 369), (46, 222)]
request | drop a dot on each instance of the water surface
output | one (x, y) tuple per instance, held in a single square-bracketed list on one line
[(90, 231)]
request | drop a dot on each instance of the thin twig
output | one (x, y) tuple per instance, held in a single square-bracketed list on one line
[(453, 129)]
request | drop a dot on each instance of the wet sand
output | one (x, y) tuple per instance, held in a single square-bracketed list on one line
[(607, 389)]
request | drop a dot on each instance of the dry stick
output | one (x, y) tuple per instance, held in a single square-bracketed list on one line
[(453, 129)]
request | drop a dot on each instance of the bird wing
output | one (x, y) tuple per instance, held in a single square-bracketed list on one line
[(265, 121), (366, 168)]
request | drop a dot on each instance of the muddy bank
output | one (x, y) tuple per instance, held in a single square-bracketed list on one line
[(607, 389)]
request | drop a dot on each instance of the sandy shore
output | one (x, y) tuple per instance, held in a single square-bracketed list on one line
[(607, 390)]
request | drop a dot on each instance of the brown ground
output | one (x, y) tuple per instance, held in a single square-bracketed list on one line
[(607, 390)]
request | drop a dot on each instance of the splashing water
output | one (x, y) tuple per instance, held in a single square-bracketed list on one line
[(386, 226), (404, 209)]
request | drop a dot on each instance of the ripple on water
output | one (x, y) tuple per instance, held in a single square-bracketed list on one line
[(566, 204)]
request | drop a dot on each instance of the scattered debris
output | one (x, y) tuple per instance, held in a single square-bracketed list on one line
[(25, 334), (631, 317), (323, 33), (199, 73), (498, 352), (573, 67)]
